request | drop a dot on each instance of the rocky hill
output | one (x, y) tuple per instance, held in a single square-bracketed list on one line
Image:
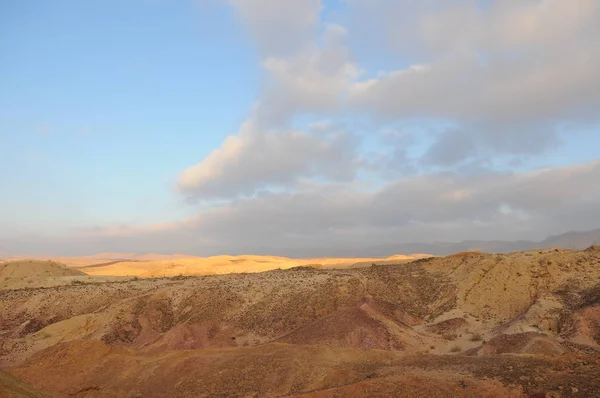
[(470, 324)]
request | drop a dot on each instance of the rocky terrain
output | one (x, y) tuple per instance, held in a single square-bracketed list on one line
[(525, 324)]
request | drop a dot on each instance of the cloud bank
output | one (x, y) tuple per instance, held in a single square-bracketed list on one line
[(442, 206)]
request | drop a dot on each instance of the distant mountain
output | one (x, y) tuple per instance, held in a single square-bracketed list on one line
[(574, 240), (569, 240)]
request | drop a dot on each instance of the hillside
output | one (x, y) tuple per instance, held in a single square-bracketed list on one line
[(11, 387), (30, 272), (430, 326)]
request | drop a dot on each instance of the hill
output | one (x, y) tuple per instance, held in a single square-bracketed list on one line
[(27, 272), (11, 387), (431, 327)]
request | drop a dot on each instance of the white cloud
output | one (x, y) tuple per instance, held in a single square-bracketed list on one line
[(312, 81), (255, 160), (506, 74), (279, 27), (309, 78)]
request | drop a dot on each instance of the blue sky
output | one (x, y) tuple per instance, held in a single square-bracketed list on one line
[(104, 103), (109, 111)]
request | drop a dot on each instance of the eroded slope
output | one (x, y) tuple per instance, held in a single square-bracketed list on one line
[(466, 308)]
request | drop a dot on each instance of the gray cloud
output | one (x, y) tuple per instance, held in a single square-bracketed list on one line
[(421, 203), (478, 144), (443, 206)]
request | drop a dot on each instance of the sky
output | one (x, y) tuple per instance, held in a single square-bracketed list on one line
[(275, 127)]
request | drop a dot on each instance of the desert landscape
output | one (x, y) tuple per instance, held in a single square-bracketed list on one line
[(300, 198), (525, 324)]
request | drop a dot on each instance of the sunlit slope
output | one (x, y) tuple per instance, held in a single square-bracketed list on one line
[(28, 272), (225, 265)]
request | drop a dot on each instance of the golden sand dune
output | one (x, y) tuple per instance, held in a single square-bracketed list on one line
[(101, 258), (222, 265)]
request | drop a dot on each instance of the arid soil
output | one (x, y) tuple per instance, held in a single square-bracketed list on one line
[(525, 324)]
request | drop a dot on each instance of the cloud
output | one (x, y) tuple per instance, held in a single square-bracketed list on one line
[(464, 89), (309, 81), (255, 160), (413, 208), (502, 204), (507, 75), (279, 27), (267, 153), (440, 206)]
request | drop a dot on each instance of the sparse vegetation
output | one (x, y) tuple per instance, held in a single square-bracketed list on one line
[(476, 337), (449, 336)]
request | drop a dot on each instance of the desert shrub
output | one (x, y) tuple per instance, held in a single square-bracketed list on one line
[(476, 337), (456, 349)]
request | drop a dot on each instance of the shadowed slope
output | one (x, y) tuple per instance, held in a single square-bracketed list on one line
[(11, 387), (92, 369)]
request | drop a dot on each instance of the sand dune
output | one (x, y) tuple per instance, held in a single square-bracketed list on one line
[(223, 265), (157, 265)]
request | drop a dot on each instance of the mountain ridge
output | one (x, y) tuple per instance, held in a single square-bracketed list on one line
[(576, 240)]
